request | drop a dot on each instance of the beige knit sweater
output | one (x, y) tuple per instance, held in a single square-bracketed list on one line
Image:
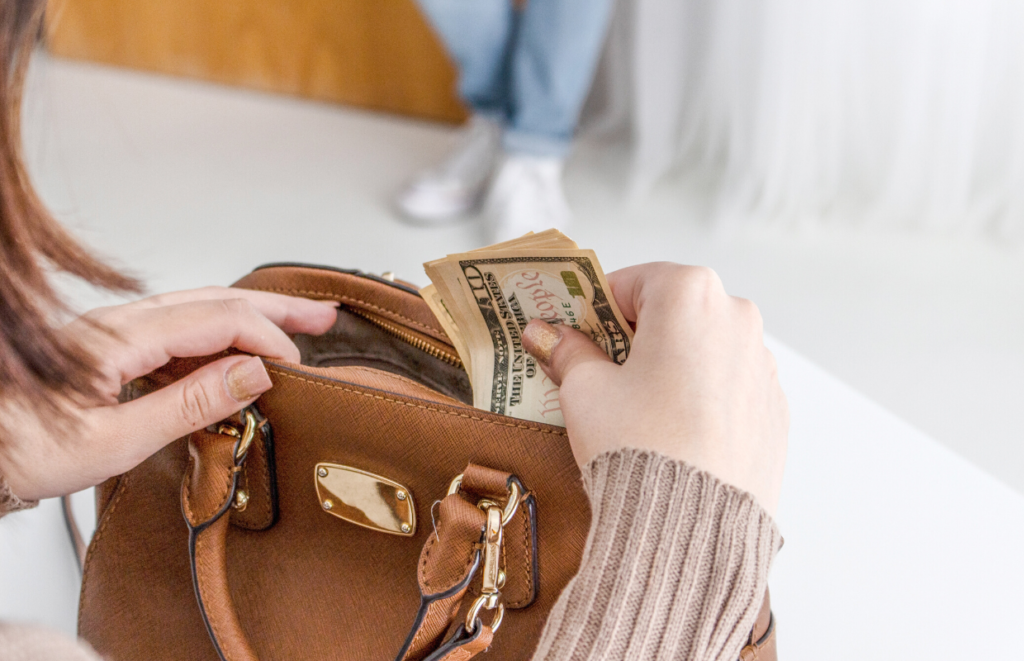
[(675, 567)]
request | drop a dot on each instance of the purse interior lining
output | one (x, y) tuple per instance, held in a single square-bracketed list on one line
[(354, 341)]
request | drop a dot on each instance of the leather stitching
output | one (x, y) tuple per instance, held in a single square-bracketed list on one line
[(108, 514), (527, 564), (261, 476), (452, 601), (427, 548), (406, 380), (553, 432), (528, 559), (330, 295)]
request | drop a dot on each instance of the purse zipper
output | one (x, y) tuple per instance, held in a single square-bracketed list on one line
[(409, 338)]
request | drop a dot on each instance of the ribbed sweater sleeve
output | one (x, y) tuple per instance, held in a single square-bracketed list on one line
[(675, 566), (11, 503)]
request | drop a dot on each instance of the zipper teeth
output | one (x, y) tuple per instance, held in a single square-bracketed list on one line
[(451, 359)]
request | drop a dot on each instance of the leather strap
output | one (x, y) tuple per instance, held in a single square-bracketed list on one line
[(761, 644), (206, 496), (448, 562), (520, 550), (450, 559), (463, 646)]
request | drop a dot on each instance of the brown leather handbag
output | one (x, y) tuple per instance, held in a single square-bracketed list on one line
[(361, 509)]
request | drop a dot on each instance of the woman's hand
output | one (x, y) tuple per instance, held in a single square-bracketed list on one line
[(107, 438), (699, 384)]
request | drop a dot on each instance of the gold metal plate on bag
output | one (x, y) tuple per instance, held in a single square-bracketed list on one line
[(365, 499)]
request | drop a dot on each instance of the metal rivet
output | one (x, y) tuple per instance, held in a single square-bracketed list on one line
[(405, 527), (322, 472), (400, 495), (328, 504), (501, 579), (241, 500)]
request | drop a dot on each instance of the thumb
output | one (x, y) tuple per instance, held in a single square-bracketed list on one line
[(560, 349), (204, 397)]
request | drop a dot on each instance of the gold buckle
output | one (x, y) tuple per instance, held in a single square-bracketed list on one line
[(245, 437), (510, 507), (474, 614), (247, 434), (493, 578)]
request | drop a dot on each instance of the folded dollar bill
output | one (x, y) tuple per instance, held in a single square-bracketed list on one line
[(484, 299)]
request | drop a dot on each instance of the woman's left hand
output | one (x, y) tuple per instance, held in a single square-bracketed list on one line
[(106, 438)]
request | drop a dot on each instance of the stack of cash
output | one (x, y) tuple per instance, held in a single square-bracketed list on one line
[(485, 298)]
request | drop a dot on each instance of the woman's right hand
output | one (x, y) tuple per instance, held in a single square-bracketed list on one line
[(698, 386), (104, 438)]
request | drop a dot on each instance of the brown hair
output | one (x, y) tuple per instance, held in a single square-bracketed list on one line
[(37, 360)]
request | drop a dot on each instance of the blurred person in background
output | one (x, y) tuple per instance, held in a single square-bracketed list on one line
[(524, 69)]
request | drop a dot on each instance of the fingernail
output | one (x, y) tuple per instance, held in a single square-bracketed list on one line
[(247, 379), (540, 339), (331, 304)]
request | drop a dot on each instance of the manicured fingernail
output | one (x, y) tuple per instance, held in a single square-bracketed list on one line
[(540, 339), (247, 379), (331, 304)]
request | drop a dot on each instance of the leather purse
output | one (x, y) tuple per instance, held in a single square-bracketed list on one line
[(361, 509)]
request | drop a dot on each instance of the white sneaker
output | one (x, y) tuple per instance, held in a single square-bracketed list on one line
[(456, 185), (526, 196)]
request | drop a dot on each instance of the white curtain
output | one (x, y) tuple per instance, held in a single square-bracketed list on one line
[(902, 113)]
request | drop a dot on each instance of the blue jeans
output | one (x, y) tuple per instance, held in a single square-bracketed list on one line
[(529, 68)]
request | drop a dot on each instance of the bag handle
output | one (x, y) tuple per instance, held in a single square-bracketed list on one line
[(207, 494), (468, 536)]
